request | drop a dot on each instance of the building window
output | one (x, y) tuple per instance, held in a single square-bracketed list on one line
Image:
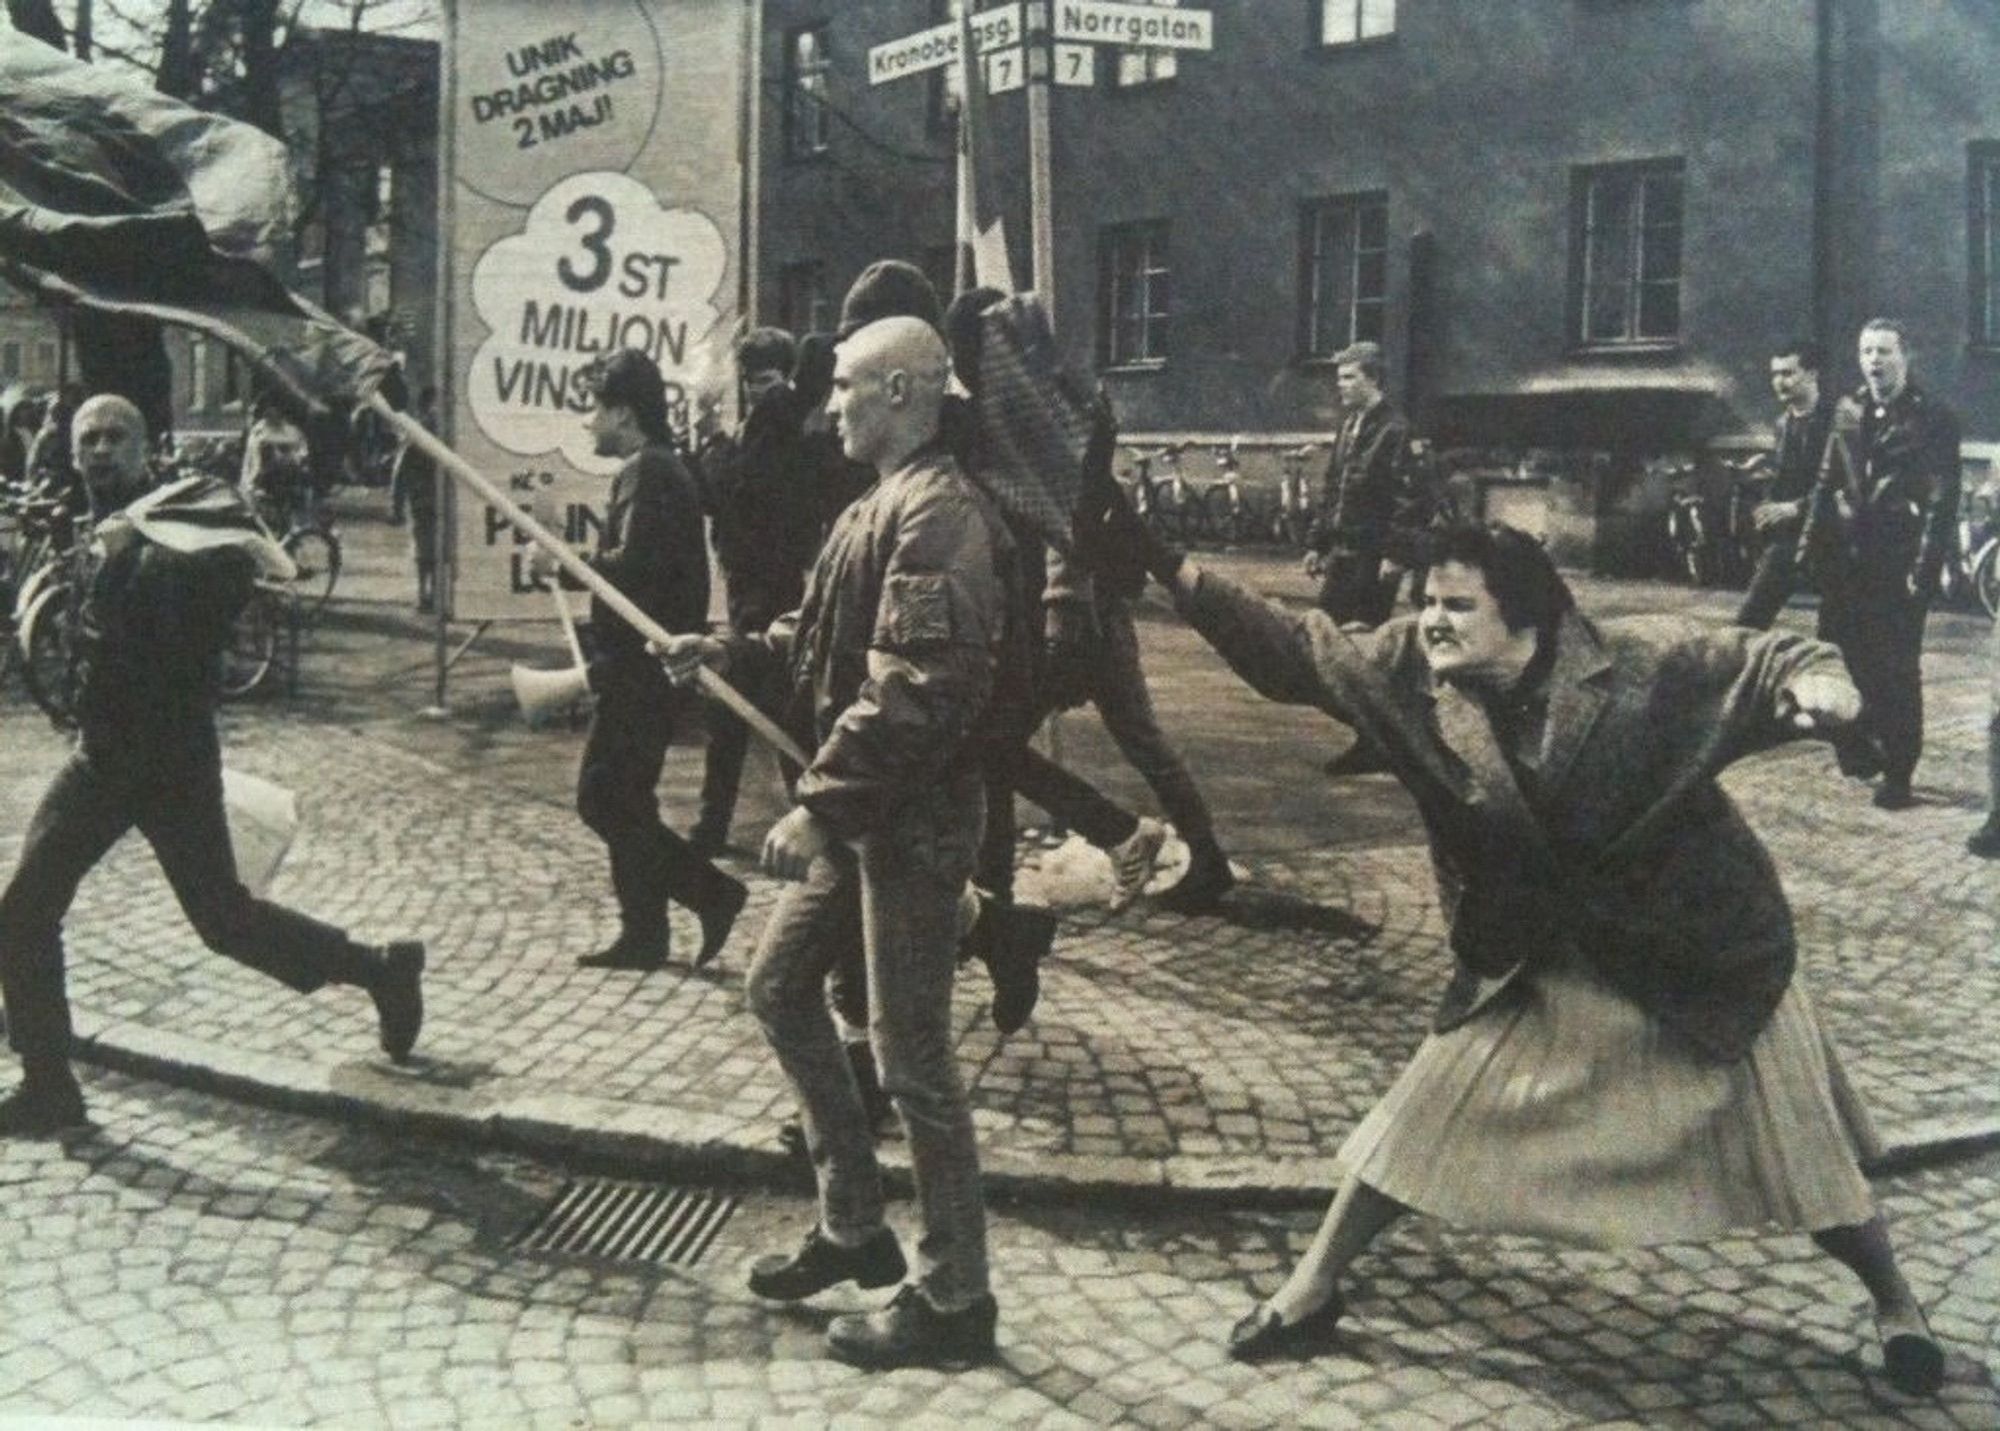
[(235, 379), (10, 361), (1348, 22), (1344, 247), (1133, 282), (802, 300), (1626, 255), (1983, 235), (806, 69), (1133, 68), (47, 359)]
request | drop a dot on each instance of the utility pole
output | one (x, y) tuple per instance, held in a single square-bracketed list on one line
[(1041, 176)]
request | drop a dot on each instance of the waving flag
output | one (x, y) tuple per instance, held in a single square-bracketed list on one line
[(120, 198)]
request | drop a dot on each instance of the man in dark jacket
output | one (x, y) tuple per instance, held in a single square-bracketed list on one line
[(1354, 547), (895, 654), (1805, 418), (1883, 519), (651, 548), (159, 608), (764, 516)]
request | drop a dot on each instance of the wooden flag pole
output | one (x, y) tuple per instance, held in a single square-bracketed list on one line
[(712, 685)]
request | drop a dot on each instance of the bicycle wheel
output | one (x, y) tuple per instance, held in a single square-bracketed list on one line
[(316, 553), (254, 641), (1197, 522), (1986, 579), (49, 665)]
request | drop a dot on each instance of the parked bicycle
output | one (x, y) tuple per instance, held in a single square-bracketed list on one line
[(284, 501), (1971, 573), (1291, 514)]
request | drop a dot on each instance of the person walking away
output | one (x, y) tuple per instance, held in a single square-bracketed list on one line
[(651, 548), (161, 600), (895, 650), (1883, 519), (1805, 419)]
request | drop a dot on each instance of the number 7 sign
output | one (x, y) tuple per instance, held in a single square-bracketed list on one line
[(1076, 66)]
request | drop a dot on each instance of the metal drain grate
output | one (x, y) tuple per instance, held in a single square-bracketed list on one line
[(631, 1222)]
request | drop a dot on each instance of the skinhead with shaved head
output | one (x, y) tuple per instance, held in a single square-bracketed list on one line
[(108, 446), (913, 614), (888, 386)]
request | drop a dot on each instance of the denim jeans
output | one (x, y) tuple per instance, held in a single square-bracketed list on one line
[(906, 879)]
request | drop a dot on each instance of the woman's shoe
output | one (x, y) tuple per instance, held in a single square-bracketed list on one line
[(1910, 1354), (1262, 1334)]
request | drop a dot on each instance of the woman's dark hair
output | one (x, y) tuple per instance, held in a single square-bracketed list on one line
[(630, 379), (1517, 568)]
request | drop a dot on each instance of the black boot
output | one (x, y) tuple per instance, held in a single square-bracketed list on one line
[(1207, 880), (1011, 940), (47, 1102), (643, 952), (718, 919), (398, 991)]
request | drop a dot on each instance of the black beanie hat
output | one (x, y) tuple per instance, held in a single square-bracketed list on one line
[(888, 288)]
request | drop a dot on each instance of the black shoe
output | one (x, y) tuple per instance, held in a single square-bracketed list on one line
[(42, 1107), (1201, 889), (820, 1264), (1364, 757), (1012, 940), (1984, 841), (398, 991), (1910, 1354), (1262, 1334), (1893, 794), (911, 1332), (641, 952), (717, 920)]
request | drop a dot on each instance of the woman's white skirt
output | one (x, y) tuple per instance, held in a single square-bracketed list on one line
[(1565, 1111)]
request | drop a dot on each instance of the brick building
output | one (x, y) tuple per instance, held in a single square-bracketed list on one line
[(1573, 224)]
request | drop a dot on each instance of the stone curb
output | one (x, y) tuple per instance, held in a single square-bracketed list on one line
[(619, 1138)]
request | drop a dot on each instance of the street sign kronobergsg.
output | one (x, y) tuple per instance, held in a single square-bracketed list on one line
[(1149, 27), (936, 47)]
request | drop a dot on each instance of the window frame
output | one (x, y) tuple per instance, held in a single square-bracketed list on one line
[(1317, 12), (1352, 207), (805, 93), (1982, 243), (807, 275), (1586, 185), (1153, 238)]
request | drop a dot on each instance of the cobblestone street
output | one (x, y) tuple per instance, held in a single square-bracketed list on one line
[(1185, 1080), (194, 1260)]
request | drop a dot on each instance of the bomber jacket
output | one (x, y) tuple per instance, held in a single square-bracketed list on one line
[(1361, 494), (911, 608), (1886, 504)]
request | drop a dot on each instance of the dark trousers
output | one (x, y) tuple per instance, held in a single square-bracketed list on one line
[(1351, 588), (751, 609), (174, 798), (1880, 631), (1770, 585), (1015, 768), (616, 795)]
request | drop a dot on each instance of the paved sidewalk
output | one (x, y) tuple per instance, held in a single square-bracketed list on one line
[(1221, 1057)]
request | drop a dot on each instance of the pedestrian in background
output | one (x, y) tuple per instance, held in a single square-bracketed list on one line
[(1625, 1055), (1883, 520), (168, 583), (1805, 420), (765, 522), (651, 548), (413, 490)]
